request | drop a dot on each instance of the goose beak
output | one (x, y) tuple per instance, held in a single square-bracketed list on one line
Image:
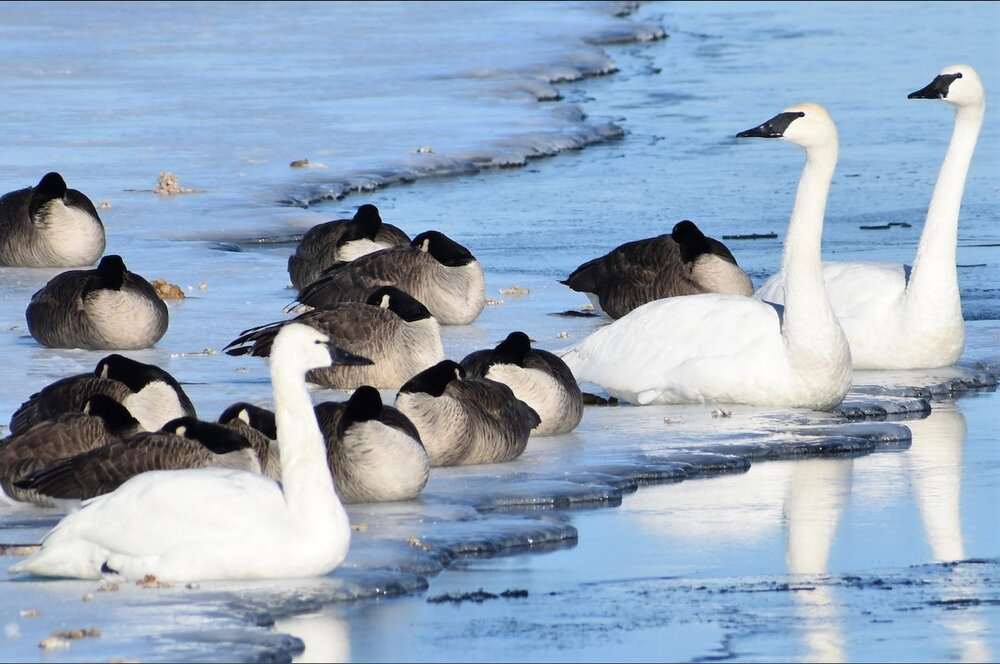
[(346, 358), (936, 89), (773, 128)]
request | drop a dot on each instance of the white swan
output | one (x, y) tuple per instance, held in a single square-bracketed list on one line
[(733, 349), (186, 525), (901, 318)]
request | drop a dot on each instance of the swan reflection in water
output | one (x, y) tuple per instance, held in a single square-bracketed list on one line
[(327, 637)]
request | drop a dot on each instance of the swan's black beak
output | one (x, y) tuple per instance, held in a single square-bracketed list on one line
[(345, 358), (773, 128), (937, 89)]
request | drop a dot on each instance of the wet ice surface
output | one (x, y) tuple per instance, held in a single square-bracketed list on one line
[(654, 533)]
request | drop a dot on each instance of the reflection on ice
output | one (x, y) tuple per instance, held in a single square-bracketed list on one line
[(327, 638)]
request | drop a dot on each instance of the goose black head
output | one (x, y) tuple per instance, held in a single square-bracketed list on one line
[(435, 379), (215, 437), (399, 302), (512, 350), (365, 225), (364, 405), (259, 418), (50, 187), (137, 375), (444, 250), (117, 418), (110, 274)]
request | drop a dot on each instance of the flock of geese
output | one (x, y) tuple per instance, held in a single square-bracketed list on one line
[(260, 493)]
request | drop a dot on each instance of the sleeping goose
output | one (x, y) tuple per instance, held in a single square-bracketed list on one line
[(101, 421), (182, 443), (897, 317), (214, 523), (685, 262), (374, 451), (537, 377), (341, 240), (734, 349), (107, 308), (150, 394), (465, 420), (49, 225), (257, 425), (433, 268), (391, 328)]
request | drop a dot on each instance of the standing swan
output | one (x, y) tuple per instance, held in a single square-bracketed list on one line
[(190, 525), (733, 349), (901, 318)]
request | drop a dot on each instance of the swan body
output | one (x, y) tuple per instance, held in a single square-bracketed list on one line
[(685, 262), (465, 420), (341, 240), (734, 349), (49, 225), (537, 377), (391, 328), (211, 523), (433, 268), (107, 308), (896, 317)]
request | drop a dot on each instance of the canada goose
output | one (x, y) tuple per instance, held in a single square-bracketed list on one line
[(465, 420), (257, 425), (213, 523), (150, 394), (49, 225), (101, 421), (341, 240), (735, 349), (896, 317), (686, 262), (391, 328), (107, 308), (537, 377), (374, 451), (433, 268)]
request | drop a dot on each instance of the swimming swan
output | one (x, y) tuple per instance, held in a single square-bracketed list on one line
[(685, 262), (211, 523), (901, 318), (733, 349)]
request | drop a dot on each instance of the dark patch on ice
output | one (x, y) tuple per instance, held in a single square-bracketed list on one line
[(576, 313), (478, 596), (884, 227), (751, 236), (590, 399)]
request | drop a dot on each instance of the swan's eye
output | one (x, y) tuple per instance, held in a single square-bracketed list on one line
[(958, 75), (801, 114)]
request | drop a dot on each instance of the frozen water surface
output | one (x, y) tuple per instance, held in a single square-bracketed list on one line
[(665, 532)]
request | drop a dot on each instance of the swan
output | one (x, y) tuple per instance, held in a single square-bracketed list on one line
[(433, 268), (391, 328), (107, 308), (465, 420), (374, 451), (685, 262), (341, 240), (537, 377), (896, 317), (213, 523), (150, 394), (49, 225), (734, 349)]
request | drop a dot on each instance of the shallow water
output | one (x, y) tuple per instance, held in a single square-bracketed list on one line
[(683, 570)]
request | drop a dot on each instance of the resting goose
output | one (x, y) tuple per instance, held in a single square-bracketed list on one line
[(257, 425), (213, 523), (341, 240), (374, 451), (734, 349), (49, 225), (107, 308), (433, 268), (100, 422), (896, 317), (465, 420), (686, 262), (150, 394), (537, 377)]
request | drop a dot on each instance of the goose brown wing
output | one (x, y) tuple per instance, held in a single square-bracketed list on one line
[(63, 396)]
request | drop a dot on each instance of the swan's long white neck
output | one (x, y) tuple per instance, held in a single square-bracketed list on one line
[(933, 282)]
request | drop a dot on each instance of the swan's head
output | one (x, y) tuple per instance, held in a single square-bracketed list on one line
[(807, 125), (304, 347), (959, 85)]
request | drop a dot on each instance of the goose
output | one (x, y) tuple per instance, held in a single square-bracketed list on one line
[(895, 316), (101, 421), (391, 328), (257, 425), (150, 394), (49, 225), (685, 262), (341, 240), (464, 419), (734, 349), (374, 451), (537, 377), (107, 308), (182, 443), (433, 268), (214, 523)]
